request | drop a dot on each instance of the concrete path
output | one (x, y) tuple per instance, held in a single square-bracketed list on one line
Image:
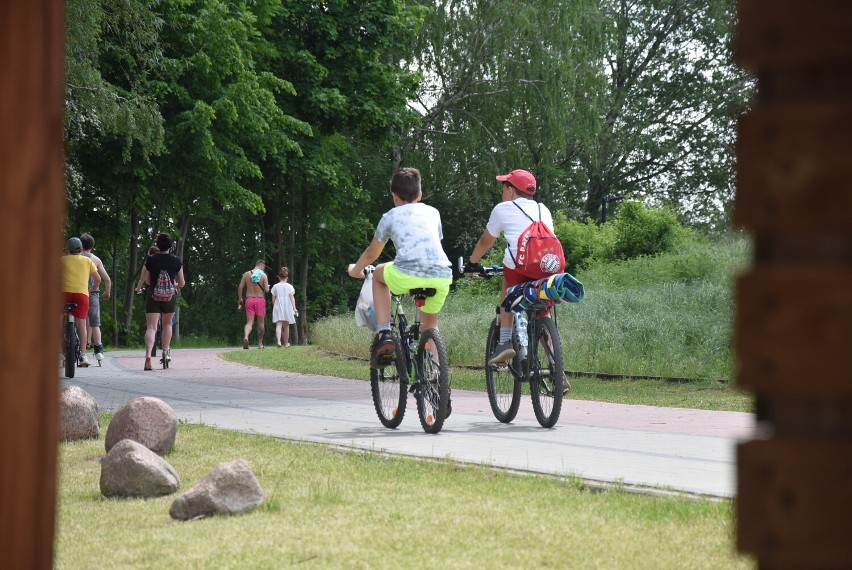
[(645, 448)]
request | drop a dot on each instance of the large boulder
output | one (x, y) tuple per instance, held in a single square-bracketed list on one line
[(230, 489), (132, 470), (79, 415), (149, 421)]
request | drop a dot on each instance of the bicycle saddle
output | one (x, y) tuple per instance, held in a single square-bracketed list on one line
[(427, 292)]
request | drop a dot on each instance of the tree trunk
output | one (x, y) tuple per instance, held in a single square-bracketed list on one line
[(301, 299), (113, 292), (184, 230), (595, 198), (302, 319), (132, 258)]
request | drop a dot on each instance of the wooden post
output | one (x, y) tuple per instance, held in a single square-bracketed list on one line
[(794, 308), (31, 206)]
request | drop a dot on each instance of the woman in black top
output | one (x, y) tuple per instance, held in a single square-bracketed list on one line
[(173, 268)]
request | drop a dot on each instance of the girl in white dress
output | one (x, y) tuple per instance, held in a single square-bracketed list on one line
[(283, 306)]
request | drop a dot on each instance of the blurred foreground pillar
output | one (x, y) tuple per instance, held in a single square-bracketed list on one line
[(31, 206), (794, 308)]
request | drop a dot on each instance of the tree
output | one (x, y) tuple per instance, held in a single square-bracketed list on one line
[(665, 119), (504, 84), (113, 125), (603, 98), (343, 59)]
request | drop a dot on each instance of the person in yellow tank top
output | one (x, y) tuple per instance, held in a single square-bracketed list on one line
[(76, 270)]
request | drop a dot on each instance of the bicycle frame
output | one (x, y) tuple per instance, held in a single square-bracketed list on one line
[(522, 371), (72, 339), (408, 334)]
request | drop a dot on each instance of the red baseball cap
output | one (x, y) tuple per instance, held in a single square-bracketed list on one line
[(522, 180)]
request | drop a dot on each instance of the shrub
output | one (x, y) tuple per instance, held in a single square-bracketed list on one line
[(646, 231), (582, 242)]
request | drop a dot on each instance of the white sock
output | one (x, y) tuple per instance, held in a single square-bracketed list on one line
[(505, 334)]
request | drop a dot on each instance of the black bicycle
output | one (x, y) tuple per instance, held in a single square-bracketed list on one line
[(70, 341), (419, 355), (537, 362)]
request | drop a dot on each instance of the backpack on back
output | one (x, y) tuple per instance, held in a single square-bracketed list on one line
[(539, 252), (164, 289), (256, 275)]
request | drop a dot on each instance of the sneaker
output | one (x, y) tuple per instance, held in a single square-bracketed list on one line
[(167, 354), (84, 362), (384, 349), (503, 352), (99, 356), (245, 344), (566, 385)]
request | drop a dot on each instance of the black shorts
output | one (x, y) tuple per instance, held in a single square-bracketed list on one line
[(152, 306)]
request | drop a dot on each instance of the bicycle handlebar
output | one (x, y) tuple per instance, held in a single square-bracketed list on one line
[(476, 268)]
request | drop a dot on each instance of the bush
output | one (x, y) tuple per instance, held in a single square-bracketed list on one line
[(582, 242), (646, 231)]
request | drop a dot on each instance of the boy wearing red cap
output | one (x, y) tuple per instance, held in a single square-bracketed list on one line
[(510, 218)]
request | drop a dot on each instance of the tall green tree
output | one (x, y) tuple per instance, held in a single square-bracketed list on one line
[(504, 88), (343, 58), (113, 125), (665, 118), (601, 99)]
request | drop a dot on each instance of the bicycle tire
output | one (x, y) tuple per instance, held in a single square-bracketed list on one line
[(433, 382), (504, 390), (71, 342), (546, 373), (389, 386)]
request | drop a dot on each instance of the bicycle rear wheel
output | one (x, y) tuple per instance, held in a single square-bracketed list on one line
[(433, 377), (389, 385), (504, 391), (71, 349), (546, 373)]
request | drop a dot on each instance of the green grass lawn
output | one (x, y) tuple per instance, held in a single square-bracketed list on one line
[(326, 508)]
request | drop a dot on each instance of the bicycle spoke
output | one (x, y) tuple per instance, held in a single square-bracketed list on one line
[(504, 391), (546, 375), (433, 381), (388, 385)]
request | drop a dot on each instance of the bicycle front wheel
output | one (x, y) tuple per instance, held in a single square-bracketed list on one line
[(433, 377), (504, 391), (71, 342), (546, 375), (389, 385)]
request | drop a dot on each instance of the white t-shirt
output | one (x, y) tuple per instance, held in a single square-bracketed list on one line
[(508, 220), (416, 232)]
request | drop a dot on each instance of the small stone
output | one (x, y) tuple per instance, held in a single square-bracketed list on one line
[(148, 421), (132, 470), (230, 489), (78, 415)]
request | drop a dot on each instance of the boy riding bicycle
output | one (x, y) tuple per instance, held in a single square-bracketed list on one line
[(420, 262), (510, 217)]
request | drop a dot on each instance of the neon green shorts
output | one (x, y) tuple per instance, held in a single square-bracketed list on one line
[(400, 283)]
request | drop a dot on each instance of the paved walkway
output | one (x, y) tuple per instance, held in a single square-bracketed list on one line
[(642, 447)]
